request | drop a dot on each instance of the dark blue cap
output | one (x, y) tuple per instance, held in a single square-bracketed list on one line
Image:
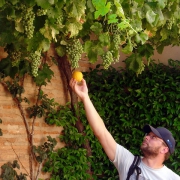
[(162, 133)]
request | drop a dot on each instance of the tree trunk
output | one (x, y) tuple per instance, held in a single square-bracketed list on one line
[(65, 70)]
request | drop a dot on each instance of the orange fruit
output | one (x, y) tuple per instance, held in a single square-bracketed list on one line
[(77, 75)]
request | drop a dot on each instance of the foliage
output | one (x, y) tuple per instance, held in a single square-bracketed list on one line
[(9, 172), (138, 27), (126, 103), (14, 84), (60, 163)]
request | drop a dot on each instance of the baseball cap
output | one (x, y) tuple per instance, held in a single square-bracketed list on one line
[(162, 133)]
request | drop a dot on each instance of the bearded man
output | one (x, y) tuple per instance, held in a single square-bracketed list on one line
[(157, 146)]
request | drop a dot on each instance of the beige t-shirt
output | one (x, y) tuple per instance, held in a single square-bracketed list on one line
[(123, 160)]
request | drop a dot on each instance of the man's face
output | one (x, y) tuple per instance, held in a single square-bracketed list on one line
[(151, 145)]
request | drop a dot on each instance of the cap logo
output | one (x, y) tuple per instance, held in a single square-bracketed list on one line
[(169, 143)]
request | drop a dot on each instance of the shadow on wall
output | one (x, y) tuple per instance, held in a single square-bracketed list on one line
[(168, 53)]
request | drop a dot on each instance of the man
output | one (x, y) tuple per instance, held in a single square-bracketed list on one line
[(157, 145)]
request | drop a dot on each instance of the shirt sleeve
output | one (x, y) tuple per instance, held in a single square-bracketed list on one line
[(123, 160)]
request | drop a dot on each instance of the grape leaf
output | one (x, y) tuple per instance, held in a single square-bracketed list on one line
[(124, 24), (151, 16), (112, 18), (104, 39), (73, 28), (38, 42), (128, 48), (44, 75), (134, 62), (7, 69), (2, 2), (120, 11), (76, 10), (43, 4), (101, 7), (96, 28), (142, 37)]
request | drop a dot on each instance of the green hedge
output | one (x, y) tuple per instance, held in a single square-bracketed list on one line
[(126, 103)]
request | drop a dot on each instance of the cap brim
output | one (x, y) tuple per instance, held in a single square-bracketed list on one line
[(147, 129)]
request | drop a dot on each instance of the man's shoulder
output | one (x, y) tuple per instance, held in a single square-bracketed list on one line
[(171, 173)]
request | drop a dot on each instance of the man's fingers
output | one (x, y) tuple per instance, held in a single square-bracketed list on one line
[(72, 83)]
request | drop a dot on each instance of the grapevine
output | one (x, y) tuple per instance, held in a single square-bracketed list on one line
[(107, 59), (35, 62), (74, 51)]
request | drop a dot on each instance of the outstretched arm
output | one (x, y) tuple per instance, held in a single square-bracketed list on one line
[(107, 141)]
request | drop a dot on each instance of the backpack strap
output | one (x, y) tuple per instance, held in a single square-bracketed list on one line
[(133, 167)]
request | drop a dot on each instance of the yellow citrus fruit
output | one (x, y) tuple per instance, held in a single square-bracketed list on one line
[(77, 75)]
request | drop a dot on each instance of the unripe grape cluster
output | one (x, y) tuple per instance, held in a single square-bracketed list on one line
[(107, 59), (141, 69), (116, 40), (74, 50), (35, 62), (41, 12), (28, 17), (170, 23), (60, 18), (15, 57)]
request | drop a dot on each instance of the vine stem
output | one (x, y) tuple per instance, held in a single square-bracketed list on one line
[(18, 157)]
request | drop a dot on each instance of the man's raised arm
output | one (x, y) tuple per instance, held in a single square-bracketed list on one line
[(107, 141)]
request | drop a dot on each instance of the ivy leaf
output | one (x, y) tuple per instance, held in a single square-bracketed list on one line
[(45, 74)]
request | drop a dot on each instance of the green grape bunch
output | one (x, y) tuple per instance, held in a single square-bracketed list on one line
[(74, 51), (41, 12), (35, 59), (116, 40), (170, 23), (15, 57), (60, 18), (107, 59), (28, 17)]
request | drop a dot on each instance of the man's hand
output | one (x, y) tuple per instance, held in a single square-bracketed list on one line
[(79, 88)]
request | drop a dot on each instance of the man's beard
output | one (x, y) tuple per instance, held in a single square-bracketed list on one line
[(150, 151)]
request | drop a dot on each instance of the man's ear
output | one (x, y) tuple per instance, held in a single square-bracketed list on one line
[(164, 150)]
